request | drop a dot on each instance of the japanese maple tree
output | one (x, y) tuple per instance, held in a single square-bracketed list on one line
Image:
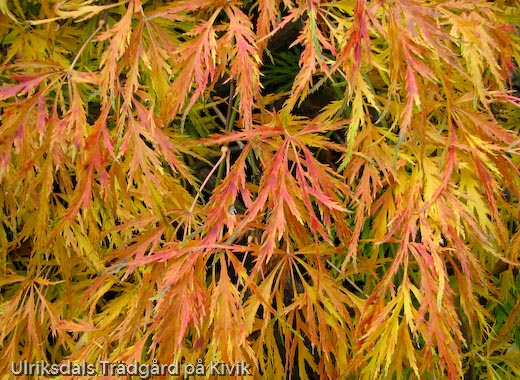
[(321, 189)]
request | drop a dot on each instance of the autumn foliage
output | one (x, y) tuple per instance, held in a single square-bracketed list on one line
[(324, 190)]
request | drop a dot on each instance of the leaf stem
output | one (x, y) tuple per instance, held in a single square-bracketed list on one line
[(231, 110), (101, 23), (230, 121), (225, 153)]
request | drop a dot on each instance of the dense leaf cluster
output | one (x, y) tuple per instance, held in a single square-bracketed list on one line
[(322, 189)]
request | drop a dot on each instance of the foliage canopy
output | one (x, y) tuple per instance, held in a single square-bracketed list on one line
[(323, 189)]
